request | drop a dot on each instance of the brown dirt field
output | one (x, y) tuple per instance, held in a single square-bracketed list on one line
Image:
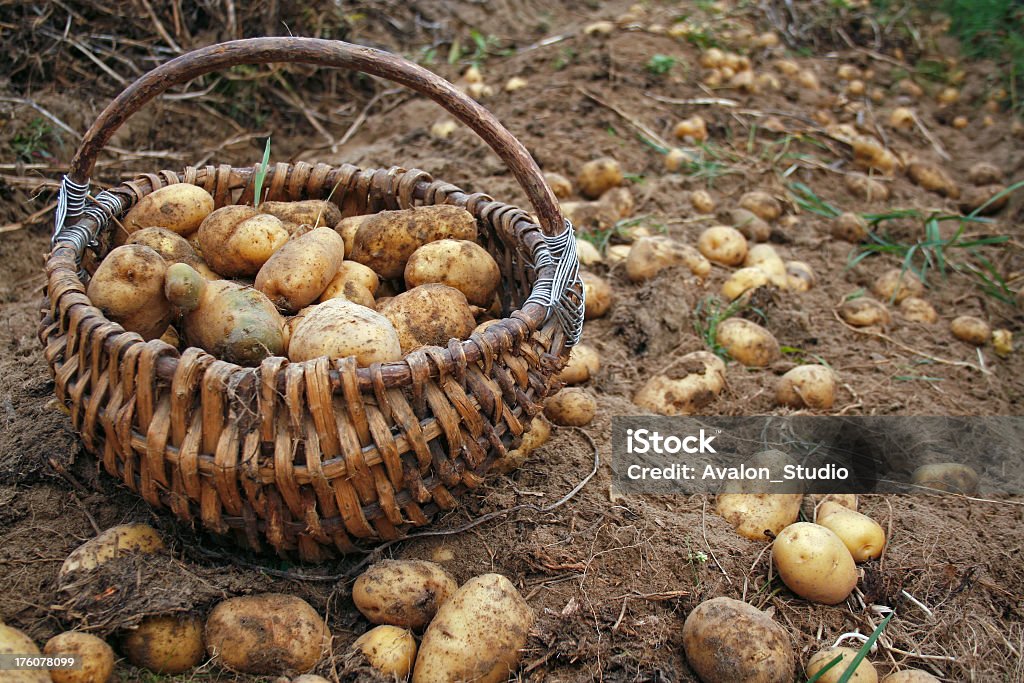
[(610, 578)]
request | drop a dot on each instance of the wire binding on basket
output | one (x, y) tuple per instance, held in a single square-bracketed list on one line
[(70, 203), (562, 294)]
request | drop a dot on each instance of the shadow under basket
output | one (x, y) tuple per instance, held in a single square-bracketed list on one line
[(318, 457)]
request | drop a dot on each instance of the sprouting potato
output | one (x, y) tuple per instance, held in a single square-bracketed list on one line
[(128, 286), (461, 264), (429, 315), (972, 330), (689, 385), (744, 280), (748, 342), (952, 477), (722, 244), (933, 179), (598, 295), (299, 272), (237, 240), (651, 255), (850, 227), (559, 184), (181, 207), (814, 563), (313, 213), (865, 311), (702, 201), (810, 386), (338, 328), (918, 310), (570, 407), (583, 364), (897, 284), (799, 276), (598, 176), (748, 223), (694, 128)]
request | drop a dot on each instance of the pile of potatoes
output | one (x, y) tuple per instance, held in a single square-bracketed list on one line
[(295, 279)]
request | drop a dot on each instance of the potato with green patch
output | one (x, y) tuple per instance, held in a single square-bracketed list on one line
[(339, 328), (181, 207), (166, 643), (461, 264), (235, 323), (405, 593), (299, 272), (237, 240), (128, 286)]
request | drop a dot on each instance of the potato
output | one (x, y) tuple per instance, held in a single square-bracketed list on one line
[(477, 635), (807, 386), (128, 286), (727, 641), (948, 96), (849, 227), (762, 205), (933, 179), (951, 477), (429, 315), (559, 184), (786, 67), (675, 159), (651, 255), (910, 676), (461, 264), (863, 536), (754, 514), (339, 328), (299, 272), (869, 154), (390, 650), (972, 330), (902, 118), (814, 563), (864, 311), (691, 384), (694, 128), (748, 223), (235, 323), (702, 201), (985, 173), (799, 276), (866, 188), (180, 207), (722, 244), (598, 176), (1002, 342), (94, 655), (314, 213), (266, 634), (583, 364), (405, 593), (748, 342), (979, 199), (310, 678), (183, 287), (14, 642), (765, 257), (847, 500), (598, 294), (114, 542), (537, 436), (617, 253), (910, 88), (384, 241), (354, 282), (897, 284), (171, 246), (856, 88), (237, 240), (570, 407), (864, 673), (742, 281), (918, 310), (166, 643), (171, 336), (807, 80)]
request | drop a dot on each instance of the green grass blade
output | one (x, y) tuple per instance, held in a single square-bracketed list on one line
[(825, 669), (261, 175), (1012, 188), (864, 649)]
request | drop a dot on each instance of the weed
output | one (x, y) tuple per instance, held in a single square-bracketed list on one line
[(807, 200), (990, 29), (31, 144), (659, 65), (602, 237), (566, 56), (261, 175)]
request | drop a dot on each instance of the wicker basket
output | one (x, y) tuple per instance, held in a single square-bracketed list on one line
[(316, 457)]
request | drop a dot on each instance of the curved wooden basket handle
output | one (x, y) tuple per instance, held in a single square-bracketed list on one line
[(324, 53)]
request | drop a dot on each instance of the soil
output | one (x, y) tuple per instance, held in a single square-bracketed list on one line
[(610, 577)]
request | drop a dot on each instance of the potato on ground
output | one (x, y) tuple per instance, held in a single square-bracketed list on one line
[(389, 650), (538, 435), (559, 184), (762, 205), (807, 386), (650, 255), (983, 200), (867, 188), (951, 477), (765, 257), (972, 330), (702, 201), (864, 673), (93, 653), (429, 315), (571, 407), (14, 642), (583, 364), (166, 643), (339, 328), (299, 272), (799, 276), (237, 240), (896, 285), (235, 323), (754, 514), (722, 244), (742, 281), (114, 542), (405, 593), (461, 264), (918, 310), (268, 634), (910, 676), (477, 635), (750, 225), (181, 207), (313, 213), (933, 179), (727, 641), (598, 294), (688, 386), (694, 128), (985, 173), (384, 241), (849, 227), (598, 176), (863, 536), (748, 342), (128, 286), (814, 563), (864, 311)]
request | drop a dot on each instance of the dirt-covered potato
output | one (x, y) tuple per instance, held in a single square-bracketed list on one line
[(312, 213), (799, 276), (384, 241), (762, 205), (864, 673), (863, 536), (598, 176), (429, 315), (583, 364), (743, 280), (461, 264), (268, 634), (299, 272), (972, 330), (237, 240), (849, 227), (750, 225), (181, 207), (559, 184), (918, 310), (702, 201), (598, 295), (694, 128), (847, 500), (478, 634), (952, 477), (866, 188), (651, 255), (14, 642), (910, 676), (727, 641), (114, 542), (896, 284), (722, 244), (570, 407), (814, 563), (235, 323), (172, 247), (807, 386), (390, 650), (339, 328), (355, 282), (754, 514), (166, 643), (983, 200), (689, 385), (92, 652), (865, 311), (765, 257), (985, 173), (748, 342), (933, 179), (128, 286), (869, 154), (405, 593), (537, 436)]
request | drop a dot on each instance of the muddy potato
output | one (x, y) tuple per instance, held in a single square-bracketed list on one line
[(910, 676), (722, 244), (951, 477), (166, 643), (918, 310), (570, 407), (748, 342), (814, 563), (847, 500), (478, 634), (688, 386), (897, 284), (870, 155), (582, 365), (235, 323), (849, 227), (405, 593), (537, 436), (864, 673), (980, 199), (14, 642), (807, 386), (181, 207), (128, 286), (299, 272), (972, 330), (864, 311), (866, 188), (461, 264), (702, 201), (171, 246), (748, 223), (985, 173), (559, 184), (727, 641), (862, 536), (598, 295), (598, 176), (765, 257), (390, 650), (742, 281), (429, 315), (799, 276), (268, 633), (114, 542), (93, 653), (651, 255), (237, 240), (339, 328), (933, 179), (314, 213), (754, 514), (762, 205), (354, 282), (694, 128)]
